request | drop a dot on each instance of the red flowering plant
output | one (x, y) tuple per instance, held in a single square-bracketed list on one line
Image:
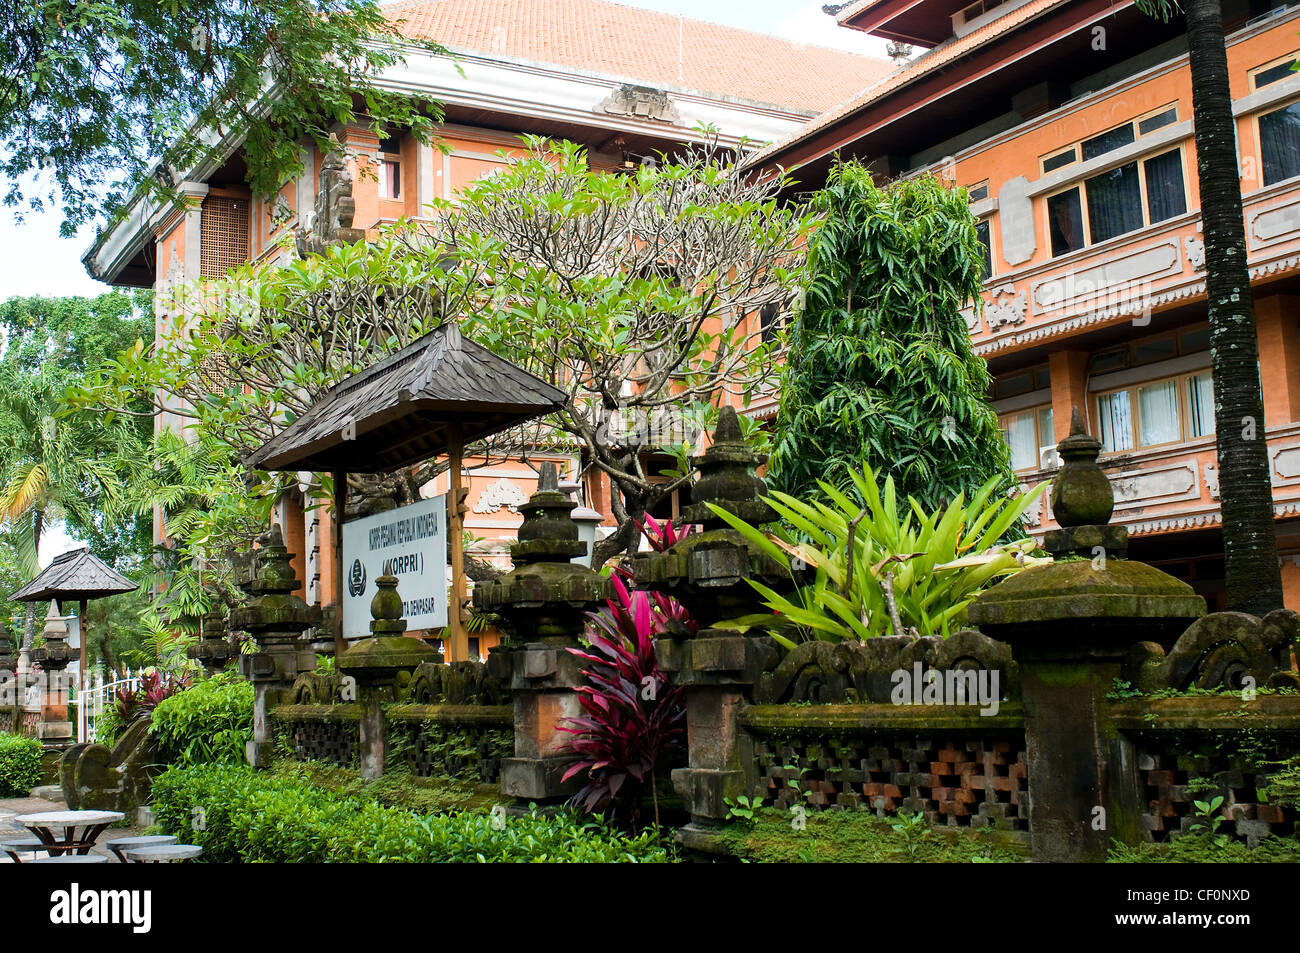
[(633, 719), (133, 703)]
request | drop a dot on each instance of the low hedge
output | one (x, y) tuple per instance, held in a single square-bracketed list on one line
[(239, 815), (208, 723), (20, 765)]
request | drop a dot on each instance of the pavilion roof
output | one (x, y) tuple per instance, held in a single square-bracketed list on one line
[(413, 405), (75, 576)]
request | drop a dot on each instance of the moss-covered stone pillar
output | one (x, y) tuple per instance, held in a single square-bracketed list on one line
[(276, 619), (542, 604), (1070, 625), (708, 573)]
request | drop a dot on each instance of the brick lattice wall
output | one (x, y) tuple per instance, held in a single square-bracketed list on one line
[(957, 783), (1170, 807), (332, 741)]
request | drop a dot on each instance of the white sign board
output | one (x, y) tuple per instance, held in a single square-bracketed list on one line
[(410, 543)]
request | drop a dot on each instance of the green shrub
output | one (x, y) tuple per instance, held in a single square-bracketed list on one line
[(207, 723), (109, 726), (239, 815), (20, 765)]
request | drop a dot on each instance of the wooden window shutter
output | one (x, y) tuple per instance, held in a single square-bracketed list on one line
[(224, 238)]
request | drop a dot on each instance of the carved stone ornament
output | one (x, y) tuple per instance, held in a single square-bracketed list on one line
[(501, 493), (1005, 307), (331, 220), (643, 102)]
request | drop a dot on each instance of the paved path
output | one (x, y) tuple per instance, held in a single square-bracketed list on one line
[(9, 809)]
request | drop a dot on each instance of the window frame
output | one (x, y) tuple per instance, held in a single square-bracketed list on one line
[(1253, 73), (1086, 220), (1037, 411), (1180, 382)]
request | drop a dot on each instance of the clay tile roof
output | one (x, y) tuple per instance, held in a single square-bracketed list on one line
[(924, 64), (75, 576), (408, 407), (654, 48)]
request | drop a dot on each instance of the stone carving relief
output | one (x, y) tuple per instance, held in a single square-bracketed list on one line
[(331, 219), (499, 494), (1220, 650), (281, 212), (1274, 223), (1005, 306), (1195, 252), (1179, 481), (643, 102), (1212, 480)]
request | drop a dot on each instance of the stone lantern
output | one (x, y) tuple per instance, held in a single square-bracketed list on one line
[(213, 650), (542, 604), (53, 657), (375, 663), (276, 620), (1070, 625), (708, 573)]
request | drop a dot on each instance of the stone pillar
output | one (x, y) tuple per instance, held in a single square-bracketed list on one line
[(1071, 625), (53, 657), (276, 619), (375, 664), (213, 650), (11, 686), (543, 604), (707, 572), (1069, 373)]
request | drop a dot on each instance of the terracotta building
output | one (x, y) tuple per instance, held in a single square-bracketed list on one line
[(627, 83), (1070, 123)]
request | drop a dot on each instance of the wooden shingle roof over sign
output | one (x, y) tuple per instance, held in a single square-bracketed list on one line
[(438, 391), (77, 576)]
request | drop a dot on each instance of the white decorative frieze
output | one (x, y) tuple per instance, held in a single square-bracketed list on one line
[(1276, 223), (501, 493), (1164, 485)]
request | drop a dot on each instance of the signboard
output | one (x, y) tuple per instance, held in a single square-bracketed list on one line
[(410, 543)]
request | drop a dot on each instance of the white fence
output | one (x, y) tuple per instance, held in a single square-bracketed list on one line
[(96, 696)]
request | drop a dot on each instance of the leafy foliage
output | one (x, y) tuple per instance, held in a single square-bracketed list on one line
[(633, 717), (880, 370), (935, 562), (247, 816), (20, 765), (155, 687), (207, 723), (109, 97)]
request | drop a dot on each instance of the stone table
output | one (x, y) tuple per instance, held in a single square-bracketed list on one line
[(163, 853), (58, 830)]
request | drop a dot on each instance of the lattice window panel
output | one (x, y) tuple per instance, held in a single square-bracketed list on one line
[(981, 783), (7, 720), (332, 741), (224, 241), (475, 757), (1169, 802)]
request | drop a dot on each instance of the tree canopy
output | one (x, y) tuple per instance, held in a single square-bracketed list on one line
[(109, 97), (880, 370)]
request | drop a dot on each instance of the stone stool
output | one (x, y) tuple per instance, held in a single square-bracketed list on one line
[(119, 845), (72, 859), (21, 845), (163, 853)]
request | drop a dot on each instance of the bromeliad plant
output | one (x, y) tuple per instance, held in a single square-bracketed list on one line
[(633, 719), (864, 569)]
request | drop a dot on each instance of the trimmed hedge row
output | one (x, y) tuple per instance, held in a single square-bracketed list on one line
[(20, 765), (239, 815)]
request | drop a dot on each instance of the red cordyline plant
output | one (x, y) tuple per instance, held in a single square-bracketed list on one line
[(154, 687), (632, 717)]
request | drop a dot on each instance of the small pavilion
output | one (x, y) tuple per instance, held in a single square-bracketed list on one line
[(76, 576), (428, 399)]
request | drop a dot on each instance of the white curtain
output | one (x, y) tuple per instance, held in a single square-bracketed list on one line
[(1158, 414), (1200, 405), (1115, 420), (1022, 441)]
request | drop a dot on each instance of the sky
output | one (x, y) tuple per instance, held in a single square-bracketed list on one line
[(35, 260)]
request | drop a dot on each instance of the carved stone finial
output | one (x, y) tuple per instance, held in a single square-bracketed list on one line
[(386, 608), (331, 219), (727, 478), (548, 532), (55, 654), (1082, 498)]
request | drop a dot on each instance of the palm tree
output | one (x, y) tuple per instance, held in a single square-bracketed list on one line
[(44, 475), (1253, 577)]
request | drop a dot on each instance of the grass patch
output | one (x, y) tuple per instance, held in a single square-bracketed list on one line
[(860, 837), (1201, 849)]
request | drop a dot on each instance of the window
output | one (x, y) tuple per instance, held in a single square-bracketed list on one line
[(1027, 433), (1022, 382), (982, 231), (1119, 200), (978, 193), (223, 235), (390, 167), (1279, 143), (770, 323), (1274, 72), (1158, 413)]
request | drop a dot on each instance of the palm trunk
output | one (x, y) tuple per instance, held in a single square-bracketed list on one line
[(29, 614), (1253, 577)]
